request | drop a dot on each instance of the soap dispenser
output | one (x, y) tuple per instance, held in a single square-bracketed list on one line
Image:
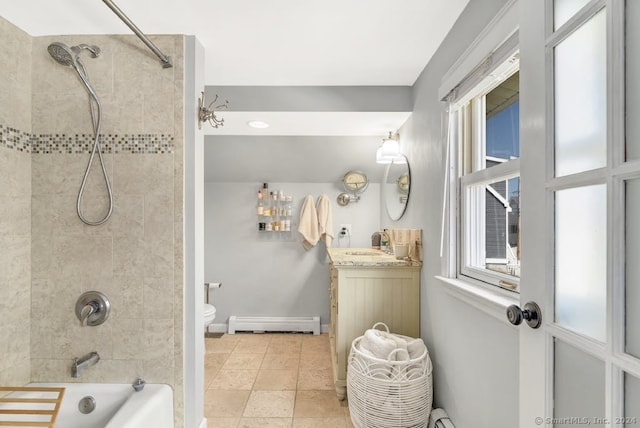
[(384, 241)]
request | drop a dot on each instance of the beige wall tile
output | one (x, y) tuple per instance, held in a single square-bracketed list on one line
[(126, 296), (15, 74), (15, 170), (127, 218), (128, 337), (158, 298), (135, 258), (62, 173), (158, 110), (143, 174), (158, 216), (158, 340), (15, 258), (15, 215), (15, 299), (82, 255), (159, 371)]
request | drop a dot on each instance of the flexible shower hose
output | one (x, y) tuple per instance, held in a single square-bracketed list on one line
[(95, 122)]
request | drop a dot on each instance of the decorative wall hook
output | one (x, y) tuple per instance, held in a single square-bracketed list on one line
[(208, 114)]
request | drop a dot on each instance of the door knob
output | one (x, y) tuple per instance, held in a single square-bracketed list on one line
[(531, 314)]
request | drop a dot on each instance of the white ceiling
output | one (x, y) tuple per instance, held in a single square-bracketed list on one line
[(275, 42), (271, 42)]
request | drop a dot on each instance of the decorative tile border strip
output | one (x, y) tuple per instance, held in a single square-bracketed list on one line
[(83, 143), (15, 139)]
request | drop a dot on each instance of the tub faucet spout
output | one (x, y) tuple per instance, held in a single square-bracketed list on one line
[(83, 362)]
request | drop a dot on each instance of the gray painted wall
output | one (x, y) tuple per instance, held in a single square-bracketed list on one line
[(293, 159), (268, 275), (313, 98), (475, 356)]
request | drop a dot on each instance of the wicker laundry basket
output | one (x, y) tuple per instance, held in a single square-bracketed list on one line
[(389, 393)]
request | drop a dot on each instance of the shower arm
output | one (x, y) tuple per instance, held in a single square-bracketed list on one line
[(164, 59)]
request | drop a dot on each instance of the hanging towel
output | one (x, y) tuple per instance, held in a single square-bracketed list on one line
[(308, 225), (325, 219)]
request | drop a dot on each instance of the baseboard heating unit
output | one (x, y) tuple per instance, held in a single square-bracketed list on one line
[(264, 324)]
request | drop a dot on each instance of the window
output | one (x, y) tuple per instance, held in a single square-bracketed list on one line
[(489, 179)]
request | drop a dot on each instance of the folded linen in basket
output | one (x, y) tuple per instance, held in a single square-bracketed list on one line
[(416, 348), (378, 371), (381, 344)]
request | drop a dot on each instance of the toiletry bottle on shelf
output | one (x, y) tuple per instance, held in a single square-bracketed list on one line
[(263, 202), (260, 207)]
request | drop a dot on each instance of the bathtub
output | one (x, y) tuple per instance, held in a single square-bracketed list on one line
[(116, 405)]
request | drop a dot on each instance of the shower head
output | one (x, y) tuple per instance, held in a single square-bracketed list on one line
[(68, 56), (62, 53)]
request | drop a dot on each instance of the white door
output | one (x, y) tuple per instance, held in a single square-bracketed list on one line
[(581, 235)]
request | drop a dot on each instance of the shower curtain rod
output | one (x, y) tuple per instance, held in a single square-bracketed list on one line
[(164, 59)]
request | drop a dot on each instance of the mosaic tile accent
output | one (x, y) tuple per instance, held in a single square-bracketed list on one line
[(12, 138), (83, 143), (110, 143)]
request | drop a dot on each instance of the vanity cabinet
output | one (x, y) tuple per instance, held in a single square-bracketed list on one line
[(364, 290)]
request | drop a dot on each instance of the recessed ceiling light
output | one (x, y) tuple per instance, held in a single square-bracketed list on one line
[(258, 124)]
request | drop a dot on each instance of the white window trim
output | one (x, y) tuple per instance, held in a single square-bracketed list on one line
[(471, 225), (487, 298)]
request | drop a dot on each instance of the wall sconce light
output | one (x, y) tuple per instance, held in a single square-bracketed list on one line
[(389, 151), (208, 114)]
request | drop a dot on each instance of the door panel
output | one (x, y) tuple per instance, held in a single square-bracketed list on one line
[(581, 260), (579, 386), (632, 64), (632, 401), (585, 180), (580, 99), (632, 282)]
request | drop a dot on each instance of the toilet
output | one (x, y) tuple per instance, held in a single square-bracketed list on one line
[(209, 315), (209, 312)]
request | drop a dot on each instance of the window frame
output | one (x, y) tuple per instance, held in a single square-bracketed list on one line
[(497, 42)]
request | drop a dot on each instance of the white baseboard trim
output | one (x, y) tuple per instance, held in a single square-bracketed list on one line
[(223, 328), (263, 324), (203, 423)]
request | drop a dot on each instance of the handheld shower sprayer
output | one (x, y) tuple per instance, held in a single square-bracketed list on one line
[(70, 57)]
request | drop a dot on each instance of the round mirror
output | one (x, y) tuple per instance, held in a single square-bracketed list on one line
[(396, 187)]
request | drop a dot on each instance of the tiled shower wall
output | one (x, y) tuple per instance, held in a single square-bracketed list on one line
[(15, 204), (135, 258), (49, 257)]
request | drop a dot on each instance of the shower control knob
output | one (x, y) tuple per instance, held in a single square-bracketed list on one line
[(531, 314), (92, 308)]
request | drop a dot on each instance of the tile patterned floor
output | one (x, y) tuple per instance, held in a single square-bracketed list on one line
[(273, 381)]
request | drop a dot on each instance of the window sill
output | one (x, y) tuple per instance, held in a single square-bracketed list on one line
[(488, 301)]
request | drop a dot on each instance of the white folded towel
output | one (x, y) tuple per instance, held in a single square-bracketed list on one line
[(308, 225), (325, 219), (416, 348), (380, 344)]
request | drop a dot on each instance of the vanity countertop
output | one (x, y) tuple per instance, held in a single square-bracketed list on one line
[(367, 257)]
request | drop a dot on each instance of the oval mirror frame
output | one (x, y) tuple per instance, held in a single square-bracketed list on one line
[(396, 187)]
